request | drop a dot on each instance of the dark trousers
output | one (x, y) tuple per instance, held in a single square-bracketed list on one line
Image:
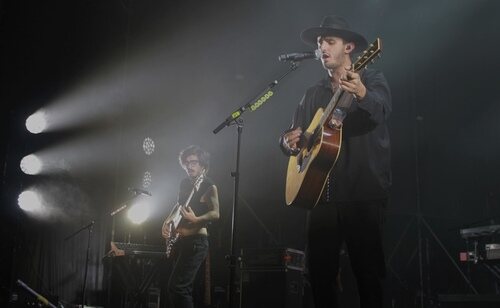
[(358, 225), (190, 252)]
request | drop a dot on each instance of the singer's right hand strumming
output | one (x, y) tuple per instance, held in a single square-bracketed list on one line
[(291, 139)]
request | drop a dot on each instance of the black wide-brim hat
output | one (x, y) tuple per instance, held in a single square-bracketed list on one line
[(333, 25)]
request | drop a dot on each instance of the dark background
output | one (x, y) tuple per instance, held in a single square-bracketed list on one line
[(110, 73)]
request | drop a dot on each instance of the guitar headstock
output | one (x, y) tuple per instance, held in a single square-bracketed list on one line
[(369, 55), (199, 179)]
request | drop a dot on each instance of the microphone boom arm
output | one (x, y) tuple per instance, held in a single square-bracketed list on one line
[(257, 101)]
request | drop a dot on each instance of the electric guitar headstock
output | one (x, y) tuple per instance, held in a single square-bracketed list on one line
[(199, 179)]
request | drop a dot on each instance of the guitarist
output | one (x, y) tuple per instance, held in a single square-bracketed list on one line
[(192, 247), (356, 192)]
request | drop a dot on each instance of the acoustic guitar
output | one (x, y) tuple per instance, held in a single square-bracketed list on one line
[(320, 145)]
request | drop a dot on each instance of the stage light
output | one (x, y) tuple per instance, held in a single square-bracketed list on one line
[(147, 179), (139, 212), (31, 164), (36, 123), (29, 201), (148, 146)]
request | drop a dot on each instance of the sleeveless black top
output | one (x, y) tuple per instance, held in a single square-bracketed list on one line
[(186, 186)]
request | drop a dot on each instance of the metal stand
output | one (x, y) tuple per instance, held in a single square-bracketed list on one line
[(234, 119), (236, 175), (422, 224), (89, 227), (119, 209), (37, 295)]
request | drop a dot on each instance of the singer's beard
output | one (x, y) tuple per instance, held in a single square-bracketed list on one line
[(330, 65), (335, 65)]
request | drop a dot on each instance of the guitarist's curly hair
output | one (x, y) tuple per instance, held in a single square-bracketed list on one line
[(203, 156)]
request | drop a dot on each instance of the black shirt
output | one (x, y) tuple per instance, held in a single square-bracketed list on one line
[(186, 186), (363, 170)]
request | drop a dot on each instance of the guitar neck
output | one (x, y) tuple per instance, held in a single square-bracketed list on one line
[(188, 200), (330, 107), (362, 61), (196, 187)]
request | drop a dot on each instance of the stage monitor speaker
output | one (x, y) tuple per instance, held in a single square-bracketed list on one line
[(469, 300), (273, 288)]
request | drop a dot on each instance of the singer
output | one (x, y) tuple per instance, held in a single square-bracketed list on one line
[(356, 191), (192, 247)]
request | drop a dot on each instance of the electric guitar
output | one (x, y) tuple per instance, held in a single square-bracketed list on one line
[(174, 219), (320, 146)]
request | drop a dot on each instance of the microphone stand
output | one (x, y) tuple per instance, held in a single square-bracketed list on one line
[(37, 295), (122, 207), (89, 227), (235, 119)]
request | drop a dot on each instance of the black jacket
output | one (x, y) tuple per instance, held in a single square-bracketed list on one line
[(363, 170)]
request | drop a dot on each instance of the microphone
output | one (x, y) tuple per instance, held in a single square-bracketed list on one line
[(138, 191), (299, 56)]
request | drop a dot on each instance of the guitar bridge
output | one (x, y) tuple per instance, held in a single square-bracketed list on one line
[(302, 160), (299, 162)]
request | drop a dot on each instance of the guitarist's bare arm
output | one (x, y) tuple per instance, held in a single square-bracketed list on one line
[(211, 198)]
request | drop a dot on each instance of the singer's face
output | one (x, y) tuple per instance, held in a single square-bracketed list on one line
[(333, 51), (192, 166)]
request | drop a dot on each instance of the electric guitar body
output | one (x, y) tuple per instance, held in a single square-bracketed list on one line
[(174, 219)]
